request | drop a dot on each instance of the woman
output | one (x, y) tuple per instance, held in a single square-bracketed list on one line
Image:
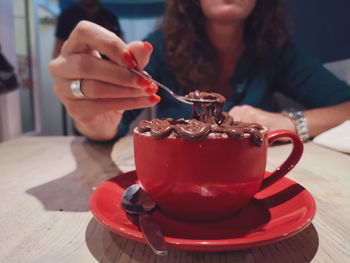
[(237, 48)]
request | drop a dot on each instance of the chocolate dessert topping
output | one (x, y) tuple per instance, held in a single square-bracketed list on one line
[(206, 118)]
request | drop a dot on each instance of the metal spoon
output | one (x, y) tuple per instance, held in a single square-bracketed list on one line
[(135, 201), (178, 97)]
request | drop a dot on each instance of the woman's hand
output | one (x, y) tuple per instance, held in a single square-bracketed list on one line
[(272, 121), (108, 85)]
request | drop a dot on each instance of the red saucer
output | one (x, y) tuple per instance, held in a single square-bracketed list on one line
[(276, 213)]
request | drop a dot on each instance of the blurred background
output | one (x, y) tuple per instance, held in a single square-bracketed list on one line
[(27, 37)]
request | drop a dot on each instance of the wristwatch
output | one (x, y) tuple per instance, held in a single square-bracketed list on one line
[(300, 122)]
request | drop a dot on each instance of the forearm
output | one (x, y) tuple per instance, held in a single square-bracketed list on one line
[(322, 119)]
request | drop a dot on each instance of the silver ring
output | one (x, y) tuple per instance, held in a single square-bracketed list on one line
[(75, 87)]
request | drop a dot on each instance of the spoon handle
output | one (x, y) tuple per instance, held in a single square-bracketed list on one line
[(153, 234), (140, 73)]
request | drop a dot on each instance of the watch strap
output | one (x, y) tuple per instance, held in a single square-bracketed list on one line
[(300, 122)]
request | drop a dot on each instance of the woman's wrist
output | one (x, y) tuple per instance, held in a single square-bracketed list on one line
[(99, 129), (95, 133)]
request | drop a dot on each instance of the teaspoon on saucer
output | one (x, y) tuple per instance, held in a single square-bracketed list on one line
[(183, 99), (135, 201)]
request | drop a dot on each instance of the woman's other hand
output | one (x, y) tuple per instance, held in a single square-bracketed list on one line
[(109, 87), (272, 121)]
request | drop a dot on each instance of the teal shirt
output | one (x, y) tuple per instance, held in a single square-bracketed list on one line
[(292, 73)]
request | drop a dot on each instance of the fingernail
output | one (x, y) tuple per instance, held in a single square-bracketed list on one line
[(143, 82), (148, 45), (129, 59), (154, 98), (154, 87), (151, 89)]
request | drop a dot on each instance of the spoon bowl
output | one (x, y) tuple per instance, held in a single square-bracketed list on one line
[(136, 202), (183, 99)]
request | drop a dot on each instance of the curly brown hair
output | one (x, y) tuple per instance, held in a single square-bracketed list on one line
[(189, 52)]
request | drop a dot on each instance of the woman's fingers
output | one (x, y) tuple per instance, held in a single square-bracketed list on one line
[(88, 36), (271, 120), (238, 113), (85, 66), (94, 89), (141, 51), (102, 98), (80, 58)]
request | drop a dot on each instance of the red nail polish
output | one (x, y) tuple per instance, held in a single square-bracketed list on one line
[(143, 82), (151, 89), (129, 59), (154, 98), (154, 87), (148, 46)]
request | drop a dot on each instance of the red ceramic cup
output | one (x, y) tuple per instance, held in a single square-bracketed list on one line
[(210, 179)]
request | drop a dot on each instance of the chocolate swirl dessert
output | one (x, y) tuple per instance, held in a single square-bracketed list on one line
[(206, 118)]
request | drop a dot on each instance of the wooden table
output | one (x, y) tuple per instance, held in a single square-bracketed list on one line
[(46, 183)]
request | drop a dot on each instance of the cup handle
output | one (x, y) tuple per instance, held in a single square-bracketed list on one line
[(292, 159)]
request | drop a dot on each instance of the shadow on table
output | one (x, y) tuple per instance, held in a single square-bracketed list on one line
[(72, 192), (106, 246)]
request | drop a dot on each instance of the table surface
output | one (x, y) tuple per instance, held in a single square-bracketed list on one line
[(46, 183)]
